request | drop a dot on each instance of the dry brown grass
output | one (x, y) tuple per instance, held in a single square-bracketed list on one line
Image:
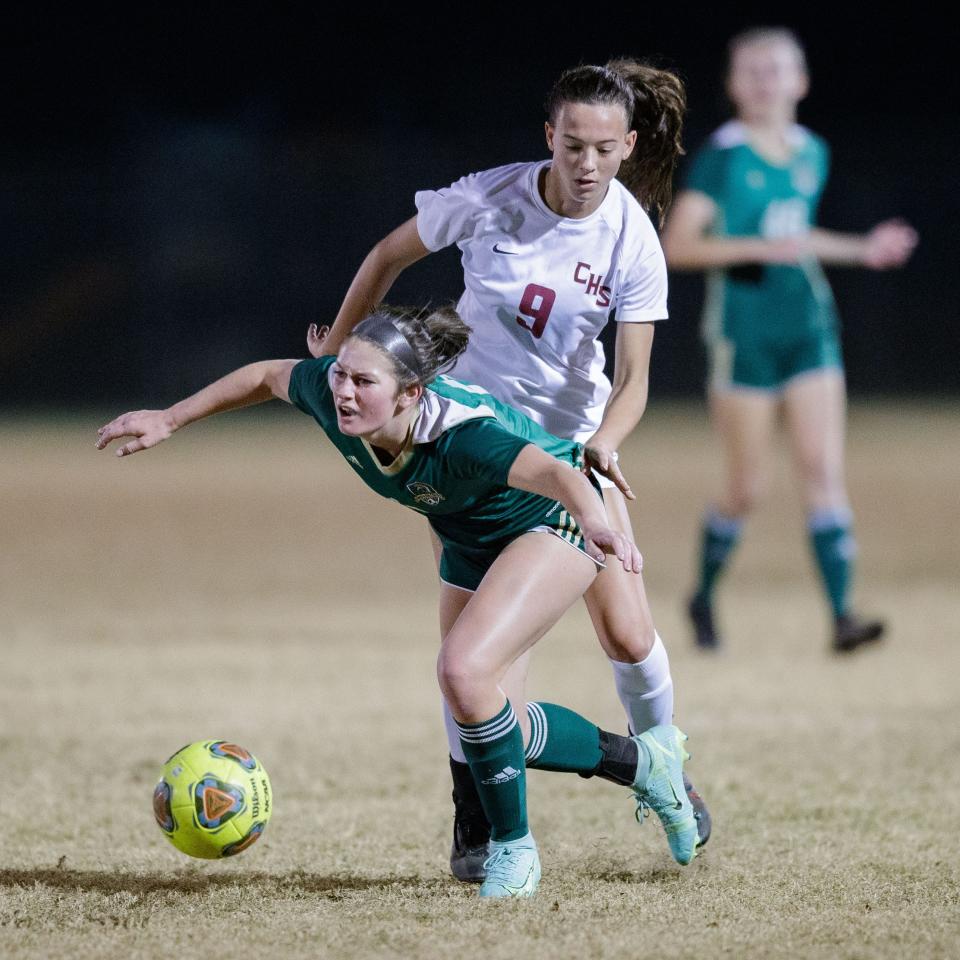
[(239, 582)]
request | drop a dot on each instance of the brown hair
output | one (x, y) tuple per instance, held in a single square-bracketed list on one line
[(421, 342), (654, 101), (747, 38)]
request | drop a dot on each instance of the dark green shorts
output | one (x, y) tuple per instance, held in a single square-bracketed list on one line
[(770, 364), (465, 567)]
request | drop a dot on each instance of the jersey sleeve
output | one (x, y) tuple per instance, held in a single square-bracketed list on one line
[(448, 215), (642, 296), (706, 172), (482, 449), (309, 388), (822, 155), (824, 159)]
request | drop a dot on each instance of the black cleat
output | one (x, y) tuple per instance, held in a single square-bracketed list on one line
[(471, 829), (470, 847), (851, 632), (700, 812), (701, 616)]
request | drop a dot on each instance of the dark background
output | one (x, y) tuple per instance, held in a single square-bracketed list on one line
[(184, 189)]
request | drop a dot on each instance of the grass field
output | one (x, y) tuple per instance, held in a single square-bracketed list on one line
[(238, 582)]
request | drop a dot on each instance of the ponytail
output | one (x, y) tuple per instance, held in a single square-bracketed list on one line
[(421, 342), (659, 103), (654, 102)]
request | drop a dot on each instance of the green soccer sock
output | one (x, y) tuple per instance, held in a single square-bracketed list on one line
[(494, 750), (562, 740), (834, 548), (719, 536)]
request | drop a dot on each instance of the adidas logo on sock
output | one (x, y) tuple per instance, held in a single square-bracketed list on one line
[(504, 776)]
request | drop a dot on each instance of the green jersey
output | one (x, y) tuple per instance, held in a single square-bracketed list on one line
[(757, 198), (454, 468)]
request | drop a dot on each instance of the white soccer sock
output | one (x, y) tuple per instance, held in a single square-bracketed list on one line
[(646, 688), (453, 735)]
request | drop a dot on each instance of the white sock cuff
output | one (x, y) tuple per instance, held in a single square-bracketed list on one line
[(646, 688), (493, 729), (722, 525), (829, 518), (652, 669), (538, 732)]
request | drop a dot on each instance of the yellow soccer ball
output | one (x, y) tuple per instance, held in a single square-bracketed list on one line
[(213, 799)]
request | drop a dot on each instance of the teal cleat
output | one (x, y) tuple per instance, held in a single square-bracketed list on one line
[(513, 869), (664, 792), (701, 813)]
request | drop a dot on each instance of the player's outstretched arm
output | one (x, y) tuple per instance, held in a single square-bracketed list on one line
[(536, 471), (254, 383), (688, 245), (382, 265), (888, 245)]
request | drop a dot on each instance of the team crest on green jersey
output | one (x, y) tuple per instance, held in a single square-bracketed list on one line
[(424, 493), (804, 178)]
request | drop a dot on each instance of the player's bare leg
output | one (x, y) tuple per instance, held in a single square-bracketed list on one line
[(743, 420), (527, 589), (530, 585), (469, 848), (620, 612), (815, 405)]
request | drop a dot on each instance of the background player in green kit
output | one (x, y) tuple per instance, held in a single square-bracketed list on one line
[(523, 532), (747, 215)]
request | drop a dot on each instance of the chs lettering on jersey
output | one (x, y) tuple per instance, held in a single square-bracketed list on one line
[(540, 287)]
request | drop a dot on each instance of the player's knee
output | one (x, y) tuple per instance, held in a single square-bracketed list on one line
[(462, 677), (448, 675), (628, 640), (823, 482), (745, 493)]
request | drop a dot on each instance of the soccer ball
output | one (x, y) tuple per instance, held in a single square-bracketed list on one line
[(213, 799)]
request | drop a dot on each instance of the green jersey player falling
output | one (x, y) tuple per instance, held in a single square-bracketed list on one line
[(453, 468), (522, 532)]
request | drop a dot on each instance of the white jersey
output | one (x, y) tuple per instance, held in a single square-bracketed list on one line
[(541, 287)]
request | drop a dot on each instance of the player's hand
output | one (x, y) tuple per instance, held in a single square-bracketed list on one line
[(600, 458), (889, 244), (315, 338), (147, 427), (600, 541)]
